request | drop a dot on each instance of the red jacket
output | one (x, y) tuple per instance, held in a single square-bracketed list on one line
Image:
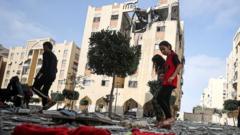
[(169, 70)]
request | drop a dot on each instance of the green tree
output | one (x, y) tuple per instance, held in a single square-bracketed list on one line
[(110, 54), (230, 105), (71, 96)]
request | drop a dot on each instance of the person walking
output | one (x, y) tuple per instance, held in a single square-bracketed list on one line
[(172, 67), (158, 62), (46, 76)]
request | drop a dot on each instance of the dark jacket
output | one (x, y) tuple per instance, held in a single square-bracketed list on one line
[(49, 65)]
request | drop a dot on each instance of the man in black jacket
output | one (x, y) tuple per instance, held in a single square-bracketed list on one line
[(46, 75)]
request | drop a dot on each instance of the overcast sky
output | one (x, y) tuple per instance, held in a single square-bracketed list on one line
[(209, 29)]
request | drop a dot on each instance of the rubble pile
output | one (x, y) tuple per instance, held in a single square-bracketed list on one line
[(12, 117)]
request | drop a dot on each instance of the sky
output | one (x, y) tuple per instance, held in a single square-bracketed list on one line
[(210, 26)]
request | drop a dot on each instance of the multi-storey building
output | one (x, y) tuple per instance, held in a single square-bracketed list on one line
[(215, 94), (25, 62), (131, 93), (3, 61), (233, 68)]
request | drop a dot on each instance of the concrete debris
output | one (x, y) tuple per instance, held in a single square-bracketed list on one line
[(12, 117)]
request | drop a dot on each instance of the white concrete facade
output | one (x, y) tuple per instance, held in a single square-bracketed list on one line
[(233, 69), (3, 61), (135, 87), (215, 93)]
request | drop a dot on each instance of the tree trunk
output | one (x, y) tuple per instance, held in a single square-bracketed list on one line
[(72, 104), (234, 122), (111, 98)]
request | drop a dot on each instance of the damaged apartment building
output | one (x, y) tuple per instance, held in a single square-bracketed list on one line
[(146, 27)]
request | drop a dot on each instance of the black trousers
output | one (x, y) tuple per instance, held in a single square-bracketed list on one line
[(43, 84), (164, 100), (157, 106)]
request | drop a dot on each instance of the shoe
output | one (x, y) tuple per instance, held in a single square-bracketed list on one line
[(49, 105)]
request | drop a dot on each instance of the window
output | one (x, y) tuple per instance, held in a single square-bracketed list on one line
[(65, 51), (86, 82), (105, 83), (25, 70), (160, 28), (96, 19), (76, 56), (175, 13), (30, 52), (132, 84), (114, 17), (64, 62), (27, 62), (61, 82)]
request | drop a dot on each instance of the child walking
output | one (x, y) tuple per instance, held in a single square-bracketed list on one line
[(172, 68)]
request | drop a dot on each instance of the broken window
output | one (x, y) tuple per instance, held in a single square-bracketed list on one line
[(140, 21), (160, 14), (175, 13)]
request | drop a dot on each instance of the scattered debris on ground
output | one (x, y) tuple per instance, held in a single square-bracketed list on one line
[(11, 117)]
